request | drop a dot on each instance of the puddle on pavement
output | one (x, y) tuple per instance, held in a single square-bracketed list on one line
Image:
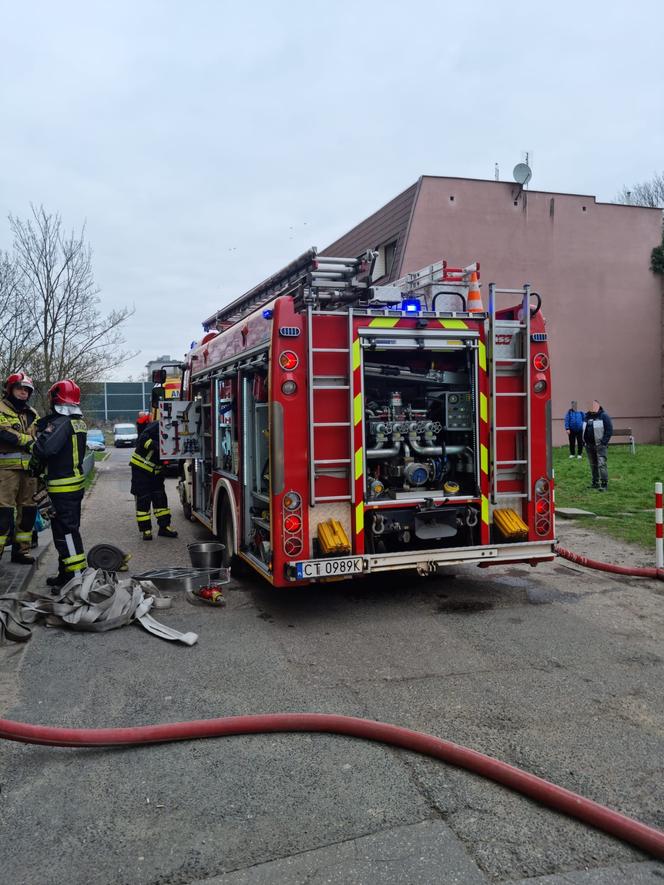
[(463, 606)]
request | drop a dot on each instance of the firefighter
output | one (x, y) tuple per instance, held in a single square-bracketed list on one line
[(17, 487), (141, 421), (59, 449), (147, 485)]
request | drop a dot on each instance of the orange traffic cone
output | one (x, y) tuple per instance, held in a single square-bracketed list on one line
[(474, 298)]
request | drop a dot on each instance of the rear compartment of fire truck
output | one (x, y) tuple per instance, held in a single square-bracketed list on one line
[(420, 444)]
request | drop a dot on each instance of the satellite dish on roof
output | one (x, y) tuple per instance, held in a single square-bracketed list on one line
[(522, 173)]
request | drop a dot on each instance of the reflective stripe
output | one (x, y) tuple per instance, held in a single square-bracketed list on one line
[(74, 563), (4, 455), (3, 539), (138, 461), (164, 511), (76, 485), (22, 536)]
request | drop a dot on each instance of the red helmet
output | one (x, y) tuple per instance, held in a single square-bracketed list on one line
[(65, 393), (18, 378), (143, 418)]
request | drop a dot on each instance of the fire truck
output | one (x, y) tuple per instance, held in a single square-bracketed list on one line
[(344, 428)]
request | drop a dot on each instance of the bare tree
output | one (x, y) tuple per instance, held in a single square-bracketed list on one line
[(71, 338), (17, 333), (647, 193)]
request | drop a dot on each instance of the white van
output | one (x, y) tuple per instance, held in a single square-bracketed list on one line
[(124, 435)]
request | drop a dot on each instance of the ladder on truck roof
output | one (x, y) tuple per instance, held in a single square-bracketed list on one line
[(311, 276), (515, 363)]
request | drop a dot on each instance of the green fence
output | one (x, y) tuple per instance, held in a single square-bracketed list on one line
[(114, 401)]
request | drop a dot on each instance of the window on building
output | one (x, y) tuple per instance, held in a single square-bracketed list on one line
[(390, 255)]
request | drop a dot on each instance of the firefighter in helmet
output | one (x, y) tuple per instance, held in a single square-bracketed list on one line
[(142, 421), (59, 450), (17, 487), (147, 484)]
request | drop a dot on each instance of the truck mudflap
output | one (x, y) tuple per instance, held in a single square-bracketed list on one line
[(424, 561)]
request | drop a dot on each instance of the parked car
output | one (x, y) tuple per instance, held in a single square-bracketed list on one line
[(124, 435), (95, 440)]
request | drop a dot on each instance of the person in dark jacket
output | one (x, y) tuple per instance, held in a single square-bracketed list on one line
[(147, 485), (59, 450), (598, 430), (574, 427)]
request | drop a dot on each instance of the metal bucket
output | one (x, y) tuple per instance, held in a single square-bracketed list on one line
[(206, 554)]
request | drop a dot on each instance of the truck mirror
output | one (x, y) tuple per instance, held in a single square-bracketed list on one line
[(157, 394), (158, 376)]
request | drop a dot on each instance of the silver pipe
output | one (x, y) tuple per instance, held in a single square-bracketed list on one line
[(383, 453), (426, 450)]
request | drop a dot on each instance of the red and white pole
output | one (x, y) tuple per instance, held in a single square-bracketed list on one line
[(659, 527)]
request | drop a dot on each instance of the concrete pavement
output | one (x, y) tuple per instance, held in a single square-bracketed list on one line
[(555, 669)]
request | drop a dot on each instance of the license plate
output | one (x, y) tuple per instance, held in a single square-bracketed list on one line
[(329, 568)]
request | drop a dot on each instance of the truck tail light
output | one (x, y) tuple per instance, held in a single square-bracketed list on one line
[(292, 501), (289, 387), (541, 362), (292, 523), (542, 506), (288, 360)]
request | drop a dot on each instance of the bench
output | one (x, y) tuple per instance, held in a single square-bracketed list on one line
[(624, 432)]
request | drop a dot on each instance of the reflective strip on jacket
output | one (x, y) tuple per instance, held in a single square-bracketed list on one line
[(17, 433), (146, 454), (61, 446)]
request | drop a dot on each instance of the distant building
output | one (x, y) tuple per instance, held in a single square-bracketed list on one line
[(589, 261), (157, 364)]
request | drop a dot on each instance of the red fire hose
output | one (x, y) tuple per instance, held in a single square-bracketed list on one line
[(632, 831), (609, 567)]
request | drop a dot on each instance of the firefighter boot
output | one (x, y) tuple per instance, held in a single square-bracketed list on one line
[(22, 558), (147, 535), (165, 531), (57, 581)]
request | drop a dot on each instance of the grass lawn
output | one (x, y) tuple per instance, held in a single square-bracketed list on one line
[(629, 503)]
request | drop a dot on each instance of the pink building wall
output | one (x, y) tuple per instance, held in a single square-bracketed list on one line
[(590, 263)]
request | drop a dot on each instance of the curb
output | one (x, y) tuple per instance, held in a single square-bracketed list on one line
[(15, 578)]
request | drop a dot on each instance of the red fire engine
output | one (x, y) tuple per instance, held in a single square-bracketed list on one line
[(347, 428)]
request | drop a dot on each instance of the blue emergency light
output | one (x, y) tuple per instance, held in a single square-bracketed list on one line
[(411, 305), (267, 314)]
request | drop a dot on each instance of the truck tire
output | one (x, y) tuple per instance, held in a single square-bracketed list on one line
[(225, 534)]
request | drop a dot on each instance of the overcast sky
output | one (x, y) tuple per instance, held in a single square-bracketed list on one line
[(206, 144)]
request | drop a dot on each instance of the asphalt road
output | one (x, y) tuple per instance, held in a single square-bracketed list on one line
[(555, 669)]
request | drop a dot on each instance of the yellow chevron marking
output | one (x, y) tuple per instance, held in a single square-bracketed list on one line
[(484, 409), (453, 324), (356, 354), (481, 352), (384, 322), (484, 459), (359, 518), (357, 408), (358, 463), (485, 510)]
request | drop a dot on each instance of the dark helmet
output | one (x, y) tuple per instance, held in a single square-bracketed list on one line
[(65, 393), (19, 378)]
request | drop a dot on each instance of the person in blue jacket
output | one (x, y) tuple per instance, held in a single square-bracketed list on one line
[(574, 427), (597, 432)]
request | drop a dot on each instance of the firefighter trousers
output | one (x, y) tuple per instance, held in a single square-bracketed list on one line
[(151, 494), (16, 491), (66, 525)]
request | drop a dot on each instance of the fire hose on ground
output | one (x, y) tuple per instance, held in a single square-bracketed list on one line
[(609, 567), (560, 799), (612, 822)]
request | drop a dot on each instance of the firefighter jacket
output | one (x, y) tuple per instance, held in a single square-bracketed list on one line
[(17, 433), (146, 455), (60, 446)]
